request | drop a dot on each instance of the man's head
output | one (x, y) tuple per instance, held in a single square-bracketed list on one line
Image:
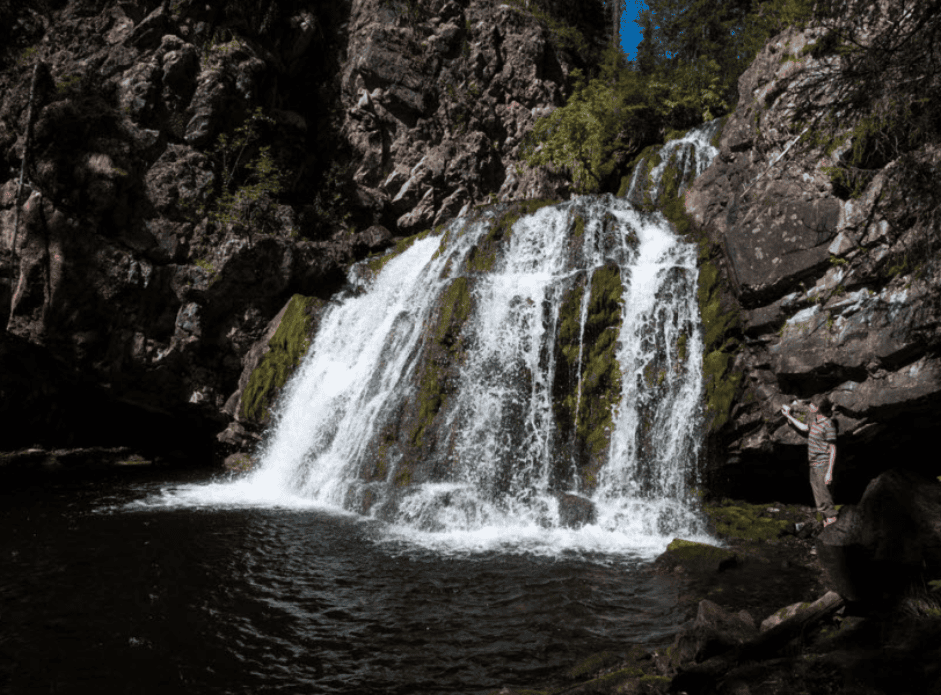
[(821, 403)]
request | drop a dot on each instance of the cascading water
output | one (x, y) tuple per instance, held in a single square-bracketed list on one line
[(509, 378), (688, 156)]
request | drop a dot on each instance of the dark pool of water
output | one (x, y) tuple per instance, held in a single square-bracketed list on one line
[(96, 597)]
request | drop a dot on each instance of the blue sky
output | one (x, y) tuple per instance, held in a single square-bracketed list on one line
[(630, 31)]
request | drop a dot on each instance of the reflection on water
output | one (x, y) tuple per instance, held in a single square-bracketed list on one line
[(98, 590)]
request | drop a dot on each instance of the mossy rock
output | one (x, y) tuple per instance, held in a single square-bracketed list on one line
[(406, 442), (240, 463), (287, 347), (696, 557), (592, 664), (600, 370), (745, 521)]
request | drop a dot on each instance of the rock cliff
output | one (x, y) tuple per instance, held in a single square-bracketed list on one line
[(190, 167), (828, 244)]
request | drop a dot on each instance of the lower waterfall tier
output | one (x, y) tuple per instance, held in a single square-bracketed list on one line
[(526, 367)]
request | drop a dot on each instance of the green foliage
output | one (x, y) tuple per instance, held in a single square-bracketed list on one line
[(602, 116), (26, 57), (619, 112), (568, 37), (250, 179), (727, 35), (67, 84)]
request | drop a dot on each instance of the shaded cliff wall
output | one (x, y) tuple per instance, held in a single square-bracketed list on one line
[(821, 211), (150, 255)]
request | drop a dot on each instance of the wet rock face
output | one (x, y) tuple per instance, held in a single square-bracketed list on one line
[(117, 268), (831, 296)]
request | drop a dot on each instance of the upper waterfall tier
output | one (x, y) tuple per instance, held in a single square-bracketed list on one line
[(671, 169), (526, 367)]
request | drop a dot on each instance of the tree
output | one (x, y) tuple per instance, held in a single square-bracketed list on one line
[(249, 185), (615, 9), (677, 33)]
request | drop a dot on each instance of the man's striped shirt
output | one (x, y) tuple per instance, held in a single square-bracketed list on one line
[(822, 432)]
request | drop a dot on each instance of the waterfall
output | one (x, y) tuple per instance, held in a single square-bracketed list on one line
[(522, 368), (687, 156)]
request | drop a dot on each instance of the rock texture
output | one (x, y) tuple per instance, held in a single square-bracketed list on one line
[(887, 543), (832, 292), (377, 115)]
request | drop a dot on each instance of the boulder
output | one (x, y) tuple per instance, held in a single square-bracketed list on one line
[(714, 631), (575, 511), (877, 548), (690, 556)]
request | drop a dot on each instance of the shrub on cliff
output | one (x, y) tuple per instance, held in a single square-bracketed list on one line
[(249, 183), (611, 118)]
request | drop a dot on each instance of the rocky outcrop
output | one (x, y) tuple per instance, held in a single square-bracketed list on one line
[(887, 543), (151, 255), (437, 104), (835, 291)]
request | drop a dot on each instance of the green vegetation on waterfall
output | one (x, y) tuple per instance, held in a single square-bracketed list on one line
[(286, 348), (586, 393)]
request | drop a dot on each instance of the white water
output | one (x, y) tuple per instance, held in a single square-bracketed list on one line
[(500, 450), (691, 154)]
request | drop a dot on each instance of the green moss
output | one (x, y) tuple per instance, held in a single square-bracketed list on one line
[(718, 136), (591, 664), (610, 682), (68, 83), (744, 521), (445, 348), (692, 554), (591, 387), (135, 461), (241, 463), (625, 186), (286, 348), (721, 382), (403, 477), (601, 376), (681, 347), (26, 57), (579, 229), (568, 335), (455, 309)]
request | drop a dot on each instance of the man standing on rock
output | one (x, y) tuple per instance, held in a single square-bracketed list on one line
[(821, 452)]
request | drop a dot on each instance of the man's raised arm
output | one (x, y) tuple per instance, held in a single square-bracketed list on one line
[(803, 427)]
